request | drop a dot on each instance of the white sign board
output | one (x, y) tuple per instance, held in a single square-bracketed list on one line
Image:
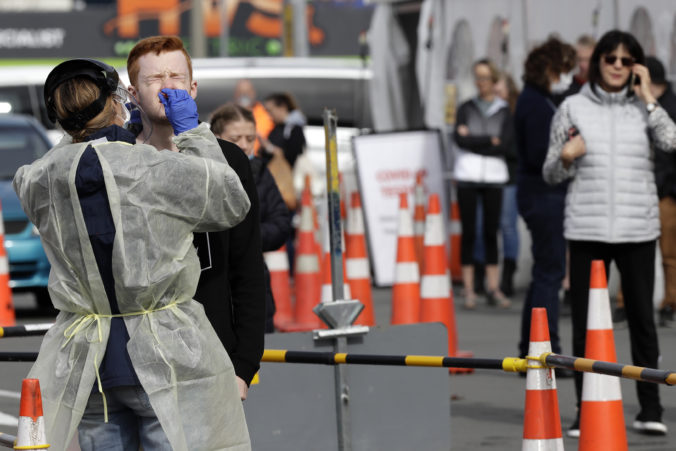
[(387, 164)]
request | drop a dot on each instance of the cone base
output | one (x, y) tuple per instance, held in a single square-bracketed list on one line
[(602, 426)]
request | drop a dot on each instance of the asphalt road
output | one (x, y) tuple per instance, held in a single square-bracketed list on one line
[(486, 407)]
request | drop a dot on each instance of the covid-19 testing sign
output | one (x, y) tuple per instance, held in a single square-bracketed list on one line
[(387, 164)]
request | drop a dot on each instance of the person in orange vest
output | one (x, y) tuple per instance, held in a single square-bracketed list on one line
[(245, 96)]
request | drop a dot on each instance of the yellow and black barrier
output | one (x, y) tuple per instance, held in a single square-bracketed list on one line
[(25, 330), (7, 440), (508, 364)]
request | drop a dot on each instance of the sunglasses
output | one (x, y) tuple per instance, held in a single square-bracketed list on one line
[(626, 61)]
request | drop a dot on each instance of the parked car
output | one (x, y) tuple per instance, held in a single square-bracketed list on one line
[(22, 140)]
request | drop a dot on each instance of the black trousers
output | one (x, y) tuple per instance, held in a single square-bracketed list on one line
[(636, 263), (491, 197)]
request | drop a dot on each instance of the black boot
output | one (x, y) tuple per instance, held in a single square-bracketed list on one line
[(507, 280), (479, 275)]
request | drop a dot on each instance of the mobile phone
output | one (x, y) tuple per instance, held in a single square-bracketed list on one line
[(635, 80), (572, 132)]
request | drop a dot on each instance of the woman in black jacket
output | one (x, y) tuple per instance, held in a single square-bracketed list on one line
[(236, 124)]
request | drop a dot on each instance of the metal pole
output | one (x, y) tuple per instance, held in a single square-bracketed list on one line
[(342, 390), (198, 45), (223, 48)]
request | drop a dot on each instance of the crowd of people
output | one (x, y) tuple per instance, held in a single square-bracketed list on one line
[(160, 282), (593, 136)]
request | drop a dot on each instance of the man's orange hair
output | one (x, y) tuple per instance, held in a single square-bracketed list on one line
[(156, 44)]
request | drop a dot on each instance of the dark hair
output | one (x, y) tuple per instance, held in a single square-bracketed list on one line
[(228, 113), (553, 56), (495, 73), (283, 99), (609, 42)]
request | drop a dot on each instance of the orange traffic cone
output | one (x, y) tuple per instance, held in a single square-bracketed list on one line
[(7, 315), (307, 276), (357, 263), (601, 415), (419, 217), (435, 287), (31, 431), (406, 289), (278, 265), (542, 423), (455, 238)]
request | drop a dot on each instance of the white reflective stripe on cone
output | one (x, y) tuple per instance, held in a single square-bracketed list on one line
[(30, 433), (599, 317), (435, 287), (456, 228), (406, 224), (434, 231), (306, 221), (407, 273), (540, 378), (551, 444), (357, 268), (599, 387), (419, 227), (355, 223), (4, 266), (277, 260), (307, 264)]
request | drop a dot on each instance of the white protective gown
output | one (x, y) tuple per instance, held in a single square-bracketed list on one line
[(157, 199)]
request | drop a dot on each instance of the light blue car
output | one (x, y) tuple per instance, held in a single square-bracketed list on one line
[(22, 140)]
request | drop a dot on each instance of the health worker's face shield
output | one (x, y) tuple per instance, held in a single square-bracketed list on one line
[(133, 115)]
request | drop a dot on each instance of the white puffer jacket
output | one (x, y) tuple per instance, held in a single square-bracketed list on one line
[(612, 197)]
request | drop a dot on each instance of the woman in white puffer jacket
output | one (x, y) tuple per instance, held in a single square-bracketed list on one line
[(601, 138)]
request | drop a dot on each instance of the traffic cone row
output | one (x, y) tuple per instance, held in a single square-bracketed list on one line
[(406, 289), (419, 217), (542, 423), (306, 269), (601, 414), (31, 430), (280, 283), (7, 314), (357, 263)]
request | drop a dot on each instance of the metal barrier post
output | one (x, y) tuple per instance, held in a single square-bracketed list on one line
[(341, 313)]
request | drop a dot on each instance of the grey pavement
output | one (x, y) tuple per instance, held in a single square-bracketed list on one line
[(486, 407)]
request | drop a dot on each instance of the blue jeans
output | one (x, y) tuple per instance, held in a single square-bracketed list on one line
[(543, 210), (509, 230), (131, 422)]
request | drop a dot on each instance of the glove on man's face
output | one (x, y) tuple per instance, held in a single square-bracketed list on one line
[(157, 72)]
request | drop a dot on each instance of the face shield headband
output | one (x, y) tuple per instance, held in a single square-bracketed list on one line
[(133, 117)]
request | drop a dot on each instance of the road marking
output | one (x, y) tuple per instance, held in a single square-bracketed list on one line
[(8, 420), (10, 394)]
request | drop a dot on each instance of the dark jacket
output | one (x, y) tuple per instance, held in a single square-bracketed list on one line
[(665, 163), (532, 119), (275, 224), (291, 141), (231, 286)]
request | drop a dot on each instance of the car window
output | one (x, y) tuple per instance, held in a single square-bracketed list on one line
[(18, 146), (16, 100)]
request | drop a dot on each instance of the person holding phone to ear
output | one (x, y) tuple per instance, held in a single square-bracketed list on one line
[(611, 205)]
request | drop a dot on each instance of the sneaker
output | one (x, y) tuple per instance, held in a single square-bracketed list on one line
[(650, 427), (574, 429)]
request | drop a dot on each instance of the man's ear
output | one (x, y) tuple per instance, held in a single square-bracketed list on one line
[(132, 91), (193, 89)]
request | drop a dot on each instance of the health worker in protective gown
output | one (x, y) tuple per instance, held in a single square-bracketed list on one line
[(132, 360)]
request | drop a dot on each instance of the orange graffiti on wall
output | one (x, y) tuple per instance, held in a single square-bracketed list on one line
[(265, 19)]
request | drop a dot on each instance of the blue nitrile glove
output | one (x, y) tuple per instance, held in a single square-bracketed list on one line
[(180, 108), (135, 114)]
